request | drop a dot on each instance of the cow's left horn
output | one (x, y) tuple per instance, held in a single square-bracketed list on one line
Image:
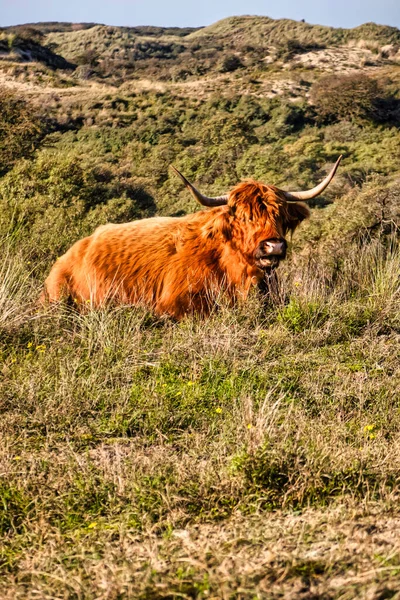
[(309, 194), (204, 200)]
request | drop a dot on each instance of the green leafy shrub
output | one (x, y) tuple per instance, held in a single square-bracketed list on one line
[(300, 315), (65, 201)]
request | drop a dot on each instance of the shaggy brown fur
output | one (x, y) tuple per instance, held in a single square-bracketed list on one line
[(177, 265)]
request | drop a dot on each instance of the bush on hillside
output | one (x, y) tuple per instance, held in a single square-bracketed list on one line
[(231, 63), (55, 200), (27, 32), (151, 49), (355, 97), (286, 49), (21, 129), (89, 57)]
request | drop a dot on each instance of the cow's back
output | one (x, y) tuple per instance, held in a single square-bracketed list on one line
[(117, 259)]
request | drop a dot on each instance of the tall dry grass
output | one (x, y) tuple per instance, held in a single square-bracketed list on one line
[(136, 451)]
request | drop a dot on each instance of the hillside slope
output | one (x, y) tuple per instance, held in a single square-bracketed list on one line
[(264, 30), (14, 48)]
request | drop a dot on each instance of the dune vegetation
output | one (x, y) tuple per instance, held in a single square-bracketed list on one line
[(255, 454)]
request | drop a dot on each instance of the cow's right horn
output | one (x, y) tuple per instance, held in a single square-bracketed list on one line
[(204, 200), (308, 194)]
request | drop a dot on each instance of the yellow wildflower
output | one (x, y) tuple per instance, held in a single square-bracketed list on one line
[(369, 427)]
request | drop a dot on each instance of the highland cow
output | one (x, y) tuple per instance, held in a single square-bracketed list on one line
[(179, 265)]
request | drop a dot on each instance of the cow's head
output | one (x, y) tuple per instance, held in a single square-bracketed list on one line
[(258, 217)]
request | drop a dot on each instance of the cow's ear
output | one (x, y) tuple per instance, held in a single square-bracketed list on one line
[(297, 212)]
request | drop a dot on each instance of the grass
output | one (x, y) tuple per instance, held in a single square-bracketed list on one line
[(142, 457)]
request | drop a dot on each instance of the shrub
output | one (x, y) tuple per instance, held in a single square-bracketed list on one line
[(354, 97), (27, 32), (63, 201), (298, 316), (88, 57), (286, 49), (21, 129), (231, 63)]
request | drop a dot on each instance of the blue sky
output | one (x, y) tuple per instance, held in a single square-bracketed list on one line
[(337, 13)]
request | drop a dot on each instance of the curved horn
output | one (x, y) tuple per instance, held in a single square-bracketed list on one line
[(204, 200), (309, 194)]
